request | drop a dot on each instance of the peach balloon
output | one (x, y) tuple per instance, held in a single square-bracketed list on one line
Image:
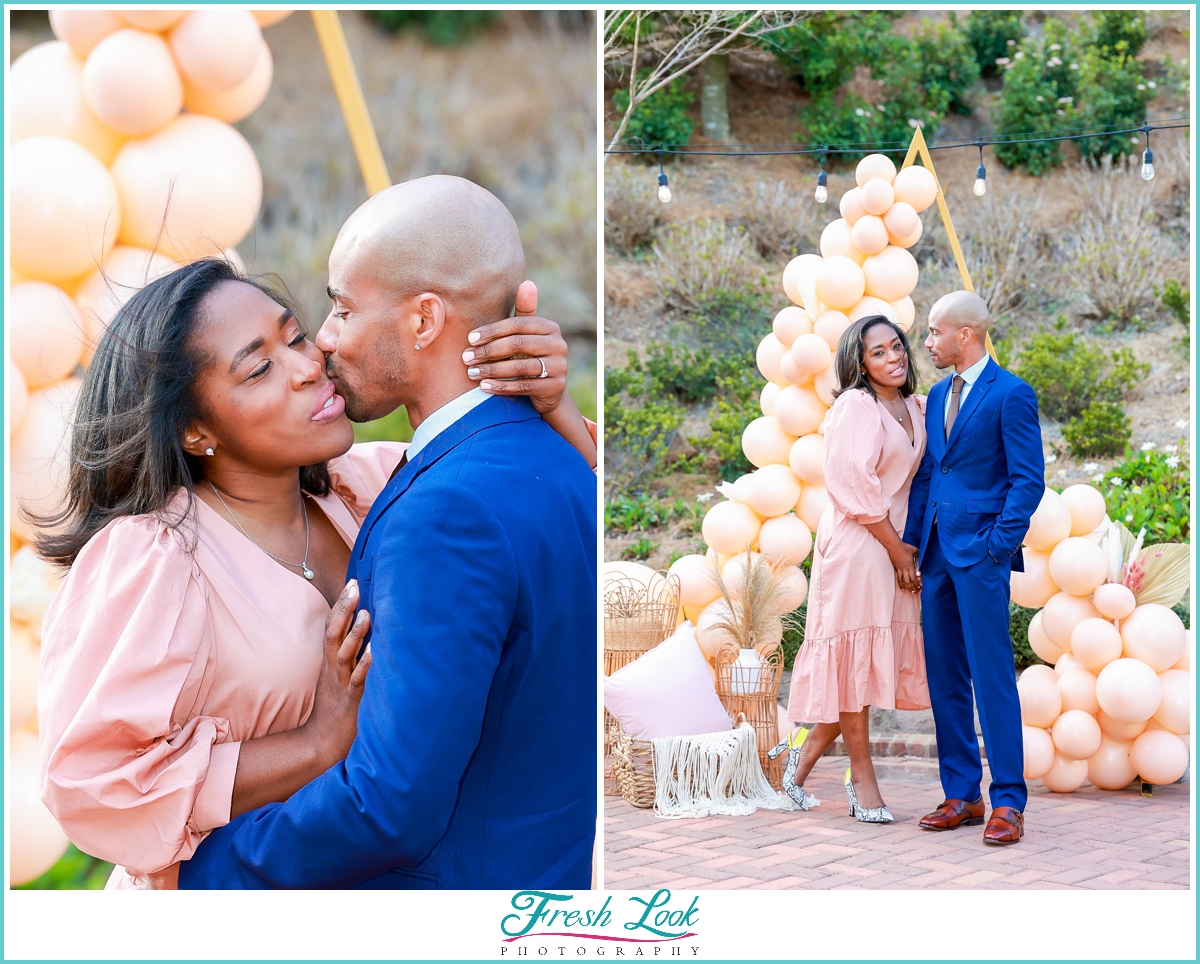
[(785, 541), (916, 186), (1110, 768), (39, 455), (735, 569), (790, 324), (767, 398), (1076, 734), (875, 166), (1066, 663), (869, 234), (1065, 775), (851, 207), (209, 175), (1095, 643), (63, 209), (906, 312), (268, 18), (1050, 523), (1040, 669), (1155, 635), (1159, 756), (1129, 691), (1039, 751), (45, 332), (906, 240), (1113, 600), (217, 47), (154, 21), (697, 582), (131, 83), (877, 196), (800, 272), (711, 637), (81, 30), (798, 411), (788, 369), (840, 282), (18, 395), (1033, 587), (1077, 687), (46, 97), (814, 500), (22, 671), (36, 842), (32, 585), (730, 527), (1121, 732), (837, 242), (765, 442), (811, 353), (106, 289), (874, 306), (1185, 661), (1062, 613), (1040, 643), (1077, 566), (1174, 712), (795, 587), (1041, 702), (901, 220), (238, 102), (770, 350), (830, 325), (772, 490), (1086, 505), (825, 384), (807, 458), (892, 274)]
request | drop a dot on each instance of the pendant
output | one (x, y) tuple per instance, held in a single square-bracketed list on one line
[(308, 573)]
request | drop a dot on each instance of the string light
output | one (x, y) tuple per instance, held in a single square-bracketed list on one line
[(1147, 156), (822, 192), (664, 189), (980, 187)]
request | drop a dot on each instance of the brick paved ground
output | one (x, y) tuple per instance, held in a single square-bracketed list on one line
[(1090, 839)]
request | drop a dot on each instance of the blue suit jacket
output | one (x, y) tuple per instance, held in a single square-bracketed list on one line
[(985, 481), (475, 762)]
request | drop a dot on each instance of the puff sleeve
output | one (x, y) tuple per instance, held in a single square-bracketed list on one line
[(129, 770), (360, 475), (853, 448)]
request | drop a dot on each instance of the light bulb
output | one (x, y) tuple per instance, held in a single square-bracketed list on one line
[(1147, 165), (664, 189), (980, 187), (822, 194)]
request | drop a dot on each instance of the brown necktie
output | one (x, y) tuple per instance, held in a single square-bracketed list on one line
[(403, 462), (956, 388)]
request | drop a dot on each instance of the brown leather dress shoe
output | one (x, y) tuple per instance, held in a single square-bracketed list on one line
[(1006, 826), (952, 814)]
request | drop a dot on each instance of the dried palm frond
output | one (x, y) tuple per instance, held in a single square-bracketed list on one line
[(1166, 573), (757, 608)]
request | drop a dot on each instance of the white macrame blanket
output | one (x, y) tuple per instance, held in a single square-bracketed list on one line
[(710, 774)]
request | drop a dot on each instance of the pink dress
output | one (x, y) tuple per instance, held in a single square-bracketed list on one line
[(157, 662), (862, 640)]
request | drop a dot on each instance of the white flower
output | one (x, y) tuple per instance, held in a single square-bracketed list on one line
[(1182, 423), (1098, 477), (882, 108), (1091, 467), (1064, 100), (1173, 461), (1039, 98), (706, 496), (1136, 490), (1118, 481), (1003, 60), (860, 112), (1061, 473), (1051, 459), (1151, 84), (1128, 516), (1074, 66), (1011, 43), (914, 123), (1141, 86), (1009, 66), (1148, 447), (1061, 113), (1169, 449), (1056, 46), (1018, 55)]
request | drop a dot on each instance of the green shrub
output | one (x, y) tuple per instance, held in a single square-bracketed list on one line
[(793, 635), (989, 32), (642, 549), (1183, 609), (1152, 488), (1177, 300), (1039, 92), (736, 406), (74, 870), (949, 67), (1102, 429), (733, 320), (1113, 94), (642, 513), (1018, 628), (1107, 28), (1068, 373), (446, 28), (660, 120), (684, 374), (822, 52), (637, 434)]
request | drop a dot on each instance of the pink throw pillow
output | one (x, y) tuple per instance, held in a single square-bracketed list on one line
[(667, 691)]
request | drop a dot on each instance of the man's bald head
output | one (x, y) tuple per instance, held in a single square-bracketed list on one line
[(963, 309), (439, 234), (958, 327)]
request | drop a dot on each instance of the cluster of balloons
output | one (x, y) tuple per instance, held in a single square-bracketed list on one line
[(1114, 703), (122, 165)]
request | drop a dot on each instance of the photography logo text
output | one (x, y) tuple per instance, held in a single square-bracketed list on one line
[(547, 924)]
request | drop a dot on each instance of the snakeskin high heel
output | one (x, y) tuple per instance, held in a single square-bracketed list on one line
[(874, 815), (801, 797)]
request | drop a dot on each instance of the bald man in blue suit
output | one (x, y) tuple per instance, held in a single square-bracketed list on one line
[(982, 477)]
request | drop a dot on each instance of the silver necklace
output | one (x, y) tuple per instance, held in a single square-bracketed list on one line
[(302, 566)]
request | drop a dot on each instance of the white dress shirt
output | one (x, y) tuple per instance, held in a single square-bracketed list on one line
[(437, 422), (969, 377)]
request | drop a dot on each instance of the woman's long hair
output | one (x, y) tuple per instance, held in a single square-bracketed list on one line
[(138, 398), (848, 362)]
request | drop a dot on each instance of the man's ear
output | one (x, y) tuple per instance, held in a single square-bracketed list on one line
[(197, 440), (429, 315)]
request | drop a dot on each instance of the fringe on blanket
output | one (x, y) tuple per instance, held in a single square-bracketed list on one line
[(711, 774)]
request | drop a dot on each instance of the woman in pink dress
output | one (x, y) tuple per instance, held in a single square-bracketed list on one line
[(862, 641), (213, 500)]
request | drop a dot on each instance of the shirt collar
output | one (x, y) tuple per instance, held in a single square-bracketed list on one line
[(440, 420), (971, 375)]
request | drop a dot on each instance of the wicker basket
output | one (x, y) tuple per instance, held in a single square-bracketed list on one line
[(636, 619), (754, 694)]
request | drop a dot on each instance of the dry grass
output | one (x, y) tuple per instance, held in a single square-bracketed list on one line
[(631, 208), (1004, 247), (695, 258), (781, 221)]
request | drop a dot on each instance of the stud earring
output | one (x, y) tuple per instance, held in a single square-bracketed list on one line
[(417, 346), (209, 451)]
